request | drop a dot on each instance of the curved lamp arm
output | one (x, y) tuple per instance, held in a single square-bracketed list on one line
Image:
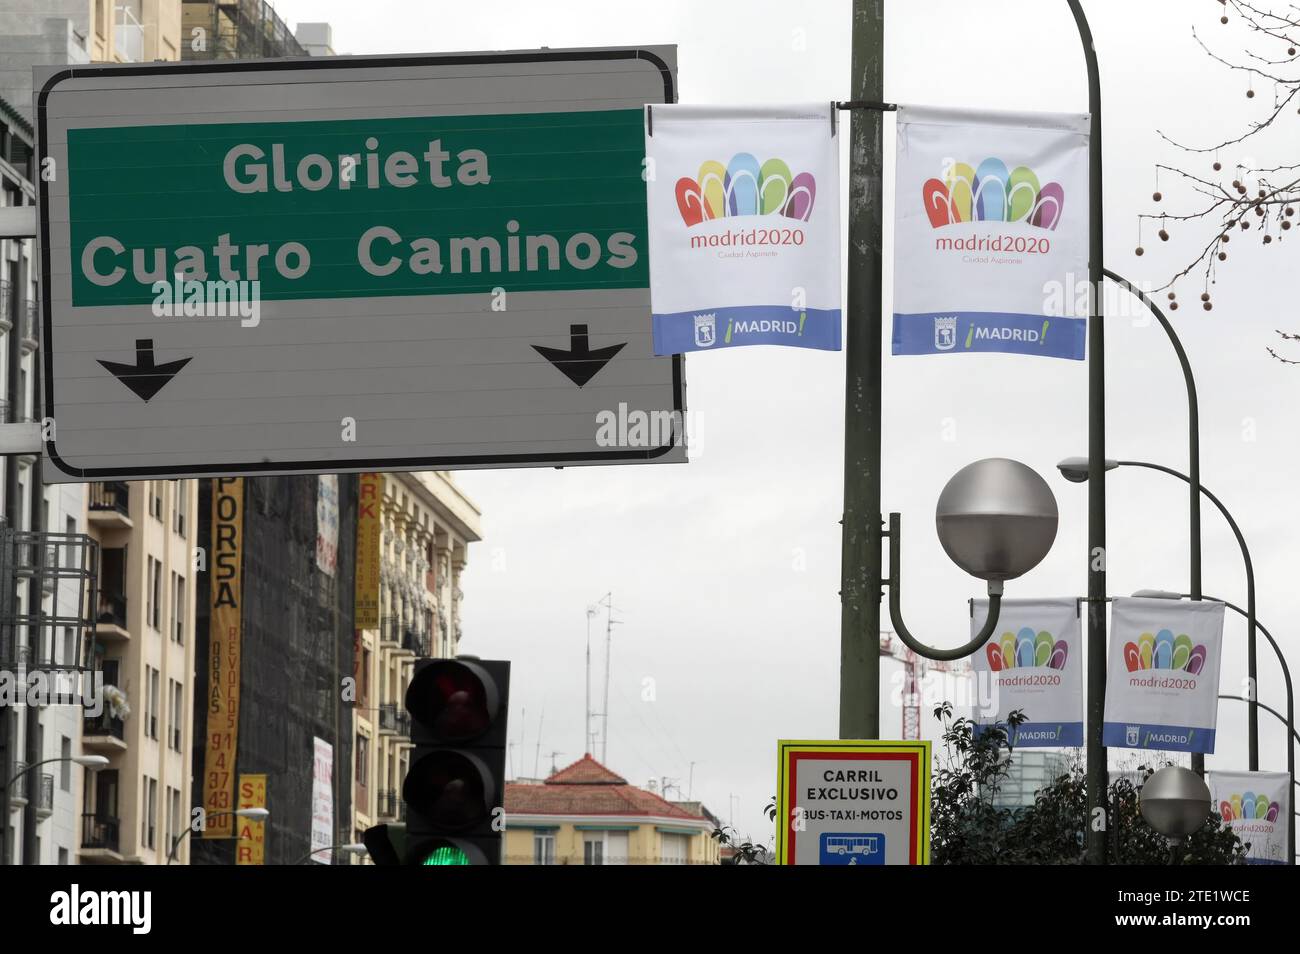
[(896, 606)]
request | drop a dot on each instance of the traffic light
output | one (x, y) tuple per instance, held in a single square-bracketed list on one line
[(455, 785)]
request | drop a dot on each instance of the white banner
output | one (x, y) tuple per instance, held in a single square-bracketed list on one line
[(1034, 663), (1162, 677), (327, 523), (744, 217), (991, 232), (322, 801), (1257, 806)]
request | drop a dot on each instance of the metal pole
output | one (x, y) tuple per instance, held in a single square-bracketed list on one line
[(13, 519), (35, 611), (1194, 492), (604, 709), (860, 556), (1096, 822)]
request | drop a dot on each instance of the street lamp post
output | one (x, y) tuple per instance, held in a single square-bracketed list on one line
[(1076, 469), (1096, 556), (256, 814), (86, 761)]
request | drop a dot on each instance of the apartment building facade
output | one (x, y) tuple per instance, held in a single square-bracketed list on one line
[(428, 524), (144, 638), (142, 635)]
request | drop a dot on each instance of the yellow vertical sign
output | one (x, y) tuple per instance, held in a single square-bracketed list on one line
[(225, 628), (369, 534), (251, 847)]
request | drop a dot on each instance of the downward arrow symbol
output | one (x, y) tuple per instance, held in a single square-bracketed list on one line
[(144, 378), (580, 363)]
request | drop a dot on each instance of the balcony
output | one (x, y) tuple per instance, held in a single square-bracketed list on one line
[(100, 839), (110, 505), (28, 337), (45, 800), (18, 788), (415, 641), (6, 306), (103, 734), (390, 631), (390, 806), (393, 720), (128, 37), (110, 622)]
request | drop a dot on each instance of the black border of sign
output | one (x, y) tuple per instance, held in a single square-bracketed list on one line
[(328, 466)]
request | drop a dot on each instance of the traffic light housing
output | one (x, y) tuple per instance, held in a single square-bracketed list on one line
[(455, 786)]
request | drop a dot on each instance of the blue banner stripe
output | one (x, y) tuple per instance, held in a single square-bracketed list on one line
[(679, 332), (962, 332), (1170, 738), (1032, 735)]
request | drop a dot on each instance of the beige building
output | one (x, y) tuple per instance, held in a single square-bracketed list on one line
[(134, 809), (428, 525), (585, 814)]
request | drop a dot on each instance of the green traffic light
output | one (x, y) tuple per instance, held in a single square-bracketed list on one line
[(446, 855)]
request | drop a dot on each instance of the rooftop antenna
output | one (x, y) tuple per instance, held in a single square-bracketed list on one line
[(553, 766), (610, 623), (586, 735), (537, 756)]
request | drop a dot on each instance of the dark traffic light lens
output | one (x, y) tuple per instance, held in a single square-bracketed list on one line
[(455, 700), (450, 789)]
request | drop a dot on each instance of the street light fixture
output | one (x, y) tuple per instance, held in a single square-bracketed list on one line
[(1075, 470), (87, 761), (1175, 802), (253, 814), (996, 519), (355, 848)]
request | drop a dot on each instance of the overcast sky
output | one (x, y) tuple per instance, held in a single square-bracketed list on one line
[(725, 571)]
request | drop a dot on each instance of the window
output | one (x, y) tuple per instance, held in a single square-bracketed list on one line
[(544, 848), (604, 848), (69, 647), (177, 627), (154, 593), (65, 766), (151, 702), (156, 498), (675, 848), (174, 714), (148, 822), (181, 501), (363, 759), (63, 856), (173, 816)]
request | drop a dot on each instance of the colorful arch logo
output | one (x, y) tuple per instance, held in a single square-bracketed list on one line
[(1164, 651), (991, 193), (1249, 806), (1027, 648), (745, 187)]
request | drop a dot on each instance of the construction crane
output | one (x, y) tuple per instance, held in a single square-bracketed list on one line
[(914, 669)]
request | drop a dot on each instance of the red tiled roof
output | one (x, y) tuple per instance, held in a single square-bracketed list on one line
[(588, 788)]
